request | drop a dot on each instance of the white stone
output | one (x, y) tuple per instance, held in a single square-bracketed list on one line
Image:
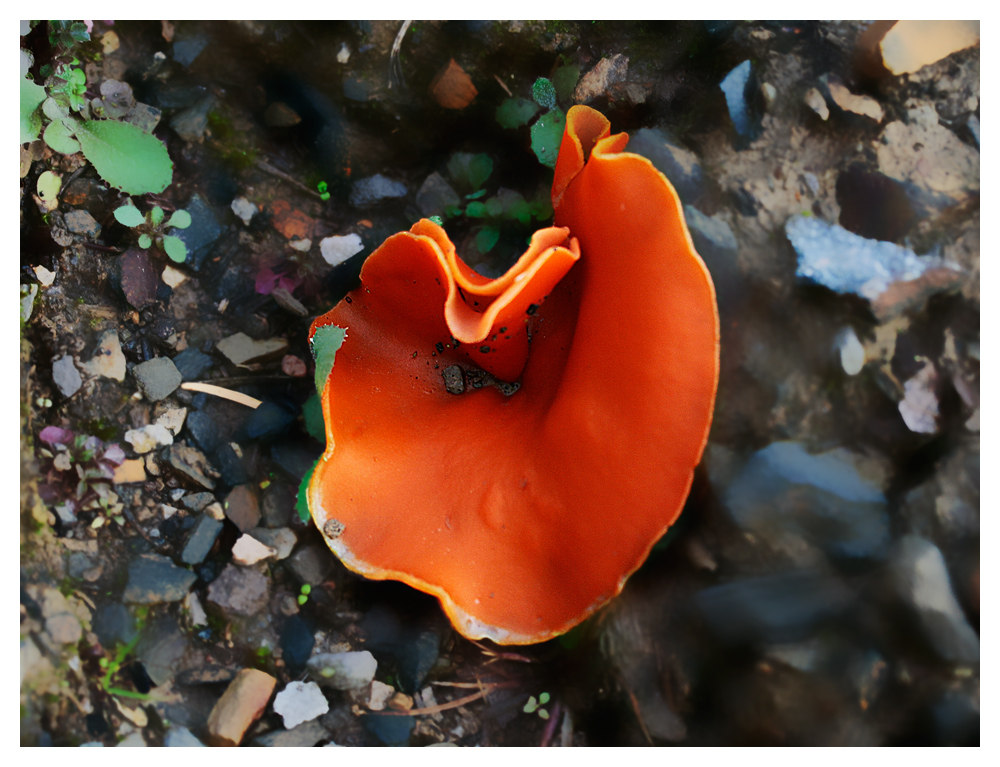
[(816, 102), (346, 671), (149, 438), (108, 361), (195, 611), (919, 407), (173, 277), (380, 695), (336, 250), (244, 209), (852, 353), (301, 245), (248, 551), (45, 277), (300, 702), (343, 54), (172, 419), (281, 539)]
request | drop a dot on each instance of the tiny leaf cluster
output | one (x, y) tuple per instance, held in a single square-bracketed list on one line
[(152, 228)]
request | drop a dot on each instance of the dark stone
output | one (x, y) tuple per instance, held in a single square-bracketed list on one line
[(956, 720), (203, 431), (201, 236), (295, 457), (189, 45), (191, 463), (242, 508), (162, 646), (311, 564), (190, 124), (113, 624), (197, 501), (382, 627), (356, 90), (435, 195), (279, 502), (153, 579), (202, 539), (389, 730), (822, 498), (268, 421), (719, 249), (82, 223), (296, 642), (239, 590), (785, 607), (139, 278), (416, 655), (305, 735), (192, 364), (376, 189), (231, 469), (157, 378)]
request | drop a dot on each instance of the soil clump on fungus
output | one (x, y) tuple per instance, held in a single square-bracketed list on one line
[(821, 586)]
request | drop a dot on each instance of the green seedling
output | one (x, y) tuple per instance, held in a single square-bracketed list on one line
[(152, 228), (304, 593), (534, 706), (547, 129), (322, 188), (111, 666)]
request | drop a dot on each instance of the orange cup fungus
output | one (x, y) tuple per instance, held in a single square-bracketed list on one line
[(515, 446)]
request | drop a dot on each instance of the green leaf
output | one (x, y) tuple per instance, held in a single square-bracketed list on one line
[(312, 413), (129, 215), (564, 79), (486, 238), (145, 241), (543, 698), (475, 210), (546, 137), (468, 170), (494, 207), (324, 345), (59, 136), (125, 157), (31, 98), (513, 113), (180, 220), (544, 92), (302, 501), (175, 248), (52, 109), (531, 706), (156, 215)]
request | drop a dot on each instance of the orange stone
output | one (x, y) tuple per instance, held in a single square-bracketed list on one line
[(291, 222), (452, 87), (239, 707)]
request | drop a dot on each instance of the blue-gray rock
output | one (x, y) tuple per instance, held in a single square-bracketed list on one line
[(297, 641), (65, 376), (921, 582), (388, 729), (278, 504), (718, 248), (785, 607), (232, 472), (153, 579), (191, 123), (113, 624), (157, 378), (343, 670), (82, 223), (356, 90), (374, 189), (201, 236), (295, 457), (679, 165), (822, 498), (203, 431), (189, 45), (311, 564), (830, 255), (181, 737), (956, 719), (192, 364), (203, 537), (738, 87), (161, 648), (197, 501), (435, 195), (973, 126), (268, 421), (240, 590), (305, 735), (416, 655)]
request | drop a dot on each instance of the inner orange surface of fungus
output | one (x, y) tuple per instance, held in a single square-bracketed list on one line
[(524, 512)]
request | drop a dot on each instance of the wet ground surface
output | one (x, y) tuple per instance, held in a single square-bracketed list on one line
[(822, 585)]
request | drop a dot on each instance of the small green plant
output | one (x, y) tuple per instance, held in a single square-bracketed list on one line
[(547, 129), (304, 593), (534, 706), (111, 666), (120, 146), (152, 228)]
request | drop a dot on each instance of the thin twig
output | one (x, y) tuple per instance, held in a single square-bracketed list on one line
[(503, 85), (218, 391), (395, 68), (487, 689), (268, 168)]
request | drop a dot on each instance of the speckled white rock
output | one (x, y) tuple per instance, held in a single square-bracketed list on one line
[(300, 702), (149, 437), (336, 250)]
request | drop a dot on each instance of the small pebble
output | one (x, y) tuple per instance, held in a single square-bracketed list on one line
[(149, 438), (249, 551), (852, 353), (65, 375), (337, 249), (240, 706), (300, 702), (244, 209)]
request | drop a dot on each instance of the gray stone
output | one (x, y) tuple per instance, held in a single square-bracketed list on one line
[(201, 236), (388, 729), (306, 735), (921, 581), (190, 124), (181, 737), (197, 501), (202, 538), (65, 375), (204, 431), (282, 540), (153, 579), (188, 46), (192, 463), (161, 649), (311, 564), (241, 349), (343, 670), (679, 165), (784, 492), (242, 508), (718, 248), (279, 502), (158, 378), (81, 222), (375, 189), (192, 364), (239, 590), (113, 624), (435, 195)]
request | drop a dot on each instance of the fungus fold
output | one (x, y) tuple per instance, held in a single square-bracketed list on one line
[(523, 511)]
